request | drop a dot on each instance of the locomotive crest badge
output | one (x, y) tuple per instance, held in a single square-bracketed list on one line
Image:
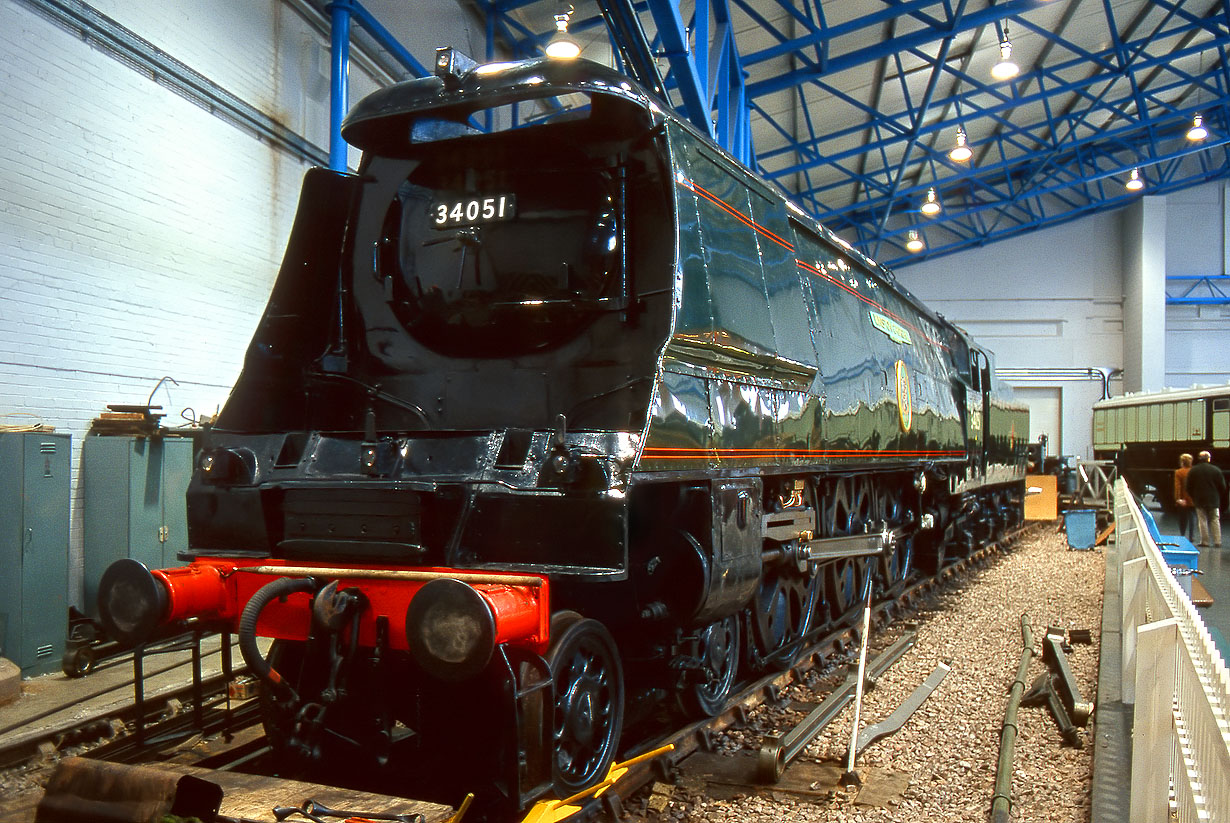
[(905, 400)]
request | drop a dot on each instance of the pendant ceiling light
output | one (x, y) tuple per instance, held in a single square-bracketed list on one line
[(1005, 69), (1134, 182), (914, 244), (931, 206), (562, 44), (1197, 132), (960, 153)]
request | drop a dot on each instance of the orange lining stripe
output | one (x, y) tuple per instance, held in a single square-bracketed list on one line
[(696, 188), (846, 287), (738, 215), (679, 453)]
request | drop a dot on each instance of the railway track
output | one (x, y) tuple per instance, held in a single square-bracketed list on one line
[(243, 741), (700, 736), (106, 722)]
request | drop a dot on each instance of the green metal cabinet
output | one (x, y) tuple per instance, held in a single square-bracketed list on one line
[(34, 493), (133, 503)]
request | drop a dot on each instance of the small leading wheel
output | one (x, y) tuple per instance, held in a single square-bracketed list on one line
[(719, 660), (589, 701)]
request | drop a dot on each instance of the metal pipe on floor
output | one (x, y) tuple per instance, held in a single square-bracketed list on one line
[(1001, 800)]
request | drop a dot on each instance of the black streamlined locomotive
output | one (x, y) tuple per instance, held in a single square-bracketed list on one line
[(558, 419)]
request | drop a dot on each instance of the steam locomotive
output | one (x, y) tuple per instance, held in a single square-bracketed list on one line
[(556, 416)]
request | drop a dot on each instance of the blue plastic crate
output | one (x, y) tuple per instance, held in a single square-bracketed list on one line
[(1082, 528)]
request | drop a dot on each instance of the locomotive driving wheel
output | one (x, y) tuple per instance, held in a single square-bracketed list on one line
[(589, 701), (718, 647), (782, 616), (895, 566), (848, 509)]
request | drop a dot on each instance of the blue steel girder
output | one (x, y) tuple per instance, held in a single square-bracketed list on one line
[(1112, 200), (707, 71), (1204, 290), (1005, 105), (867, 54), (1026, 145), (1052, 144)]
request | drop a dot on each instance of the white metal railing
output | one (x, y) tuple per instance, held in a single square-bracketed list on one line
[(1178, 682)]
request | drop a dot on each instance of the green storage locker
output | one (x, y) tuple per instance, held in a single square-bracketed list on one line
[(133, 503), (34, 493)]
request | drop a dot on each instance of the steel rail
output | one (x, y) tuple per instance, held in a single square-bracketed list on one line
[(685, 741), (22, 749), (699, 735)]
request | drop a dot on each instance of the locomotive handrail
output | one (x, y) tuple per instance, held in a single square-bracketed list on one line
[(395, 574), (1177, 681)]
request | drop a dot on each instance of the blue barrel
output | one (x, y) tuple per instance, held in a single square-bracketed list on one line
[(1082, 527)]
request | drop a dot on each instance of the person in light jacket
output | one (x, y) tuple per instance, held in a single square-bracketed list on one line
[(1183, 506)]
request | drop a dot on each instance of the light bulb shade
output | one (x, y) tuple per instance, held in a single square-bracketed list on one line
[(1005, 69), (960, 153), (563, 45), (1134, 183), (914, 243), (1197, 131), (930, 206)]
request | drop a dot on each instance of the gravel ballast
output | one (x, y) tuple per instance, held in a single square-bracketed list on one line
[(944, 759)]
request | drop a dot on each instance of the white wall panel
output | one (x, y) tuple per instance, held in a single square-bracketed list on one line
[(141, 232), (1055, 298), (142, 235)]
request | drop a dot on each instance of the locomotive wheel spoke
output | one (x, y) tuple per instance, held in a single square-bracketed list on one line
[(589, 703), (782, 617), (719, 655), (895, 567), (845, 580)]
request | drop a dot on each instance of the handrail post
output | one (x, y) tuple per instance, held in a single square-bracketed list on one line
[(1153, 730), (1132, 599)]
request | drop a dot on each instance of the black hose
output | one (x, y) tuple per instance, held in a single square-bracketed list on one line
[(271, 591)]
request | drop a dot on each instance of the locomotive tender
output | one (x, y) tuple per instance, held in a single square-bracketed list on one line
[(549, 422)]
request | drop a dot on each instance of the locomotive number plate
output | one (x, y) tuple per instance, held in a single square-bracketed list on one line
[(471, 210)]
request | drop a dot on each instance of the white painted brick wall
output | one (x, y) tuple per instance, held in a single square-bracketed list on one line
[(139, 234)]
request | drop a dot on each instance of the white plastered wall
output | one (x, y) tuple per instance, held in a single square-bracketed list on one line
[(1198, 337), (1060, 298), (140, 232)]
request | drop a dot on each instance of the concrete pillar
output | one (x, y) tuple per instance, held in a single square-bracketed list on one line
[(1144, 295)]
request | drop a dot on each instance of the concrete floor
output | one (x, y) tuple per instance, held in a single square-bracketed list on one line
[(1215, 568)]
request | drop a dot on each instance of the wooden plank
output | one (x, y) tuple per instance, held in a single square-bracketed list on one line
[(1105, 535), (253, 796), (1043, 504), (1200, 595)]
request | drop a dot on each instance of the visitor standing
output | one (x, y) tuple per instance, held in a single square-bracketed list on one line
[(1183, 506), (1207, 487)]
